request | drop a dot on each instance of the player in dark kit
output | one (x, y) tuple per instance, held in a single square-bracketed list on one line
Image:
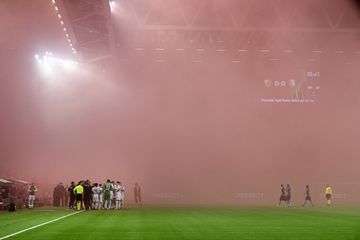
[(307, 196), (87, 195), (71, 195), (288, 195), (282, 195)]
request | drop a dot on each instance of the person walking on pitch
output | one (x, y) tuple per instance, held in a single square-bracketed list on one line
[(307, 196), (328, 193)]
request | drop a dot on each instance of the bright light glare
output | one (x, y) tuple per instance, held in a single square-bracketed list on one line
[(48, 63), (112, 5)]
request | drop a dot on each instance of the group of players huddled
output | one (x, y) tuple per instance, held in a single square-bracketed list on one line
[(85, 195), (285, 195)]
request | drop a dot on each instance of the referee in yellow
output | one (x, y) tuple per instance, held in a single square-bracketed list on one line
[(328, 193), (79, 195)]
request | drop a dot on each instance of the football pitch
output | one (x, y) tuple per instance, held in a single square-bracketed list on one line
[(336, 222)]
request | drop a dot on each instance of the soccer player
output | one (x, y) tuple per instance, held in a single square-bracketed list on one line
[(79, 195), (72, 195), (101, 194), (112, 196), (117, 193), (32, 189), (137, 193), (107, 190), (288, 195), (96, 196), (307, 196), (122, 195), (87, 194), (328, 193), (282, 195)]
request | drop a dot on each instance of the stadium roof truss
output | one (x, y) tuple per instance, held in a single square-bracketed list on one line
[(236, 24), (89, 24)]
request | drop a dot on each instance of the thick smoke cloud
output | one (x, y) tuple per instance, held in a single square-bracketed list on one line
[(186, 131)]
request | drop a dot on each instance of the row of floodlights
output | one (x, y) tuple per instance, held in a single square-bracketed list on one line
[(49, 60), (64, 28)]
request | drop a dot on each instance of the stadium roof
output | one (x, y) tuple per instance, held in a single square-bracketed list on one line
[(97, 33)]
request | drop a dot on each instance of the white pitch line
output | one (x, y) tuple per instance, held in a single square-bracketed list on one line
[(39, 225)]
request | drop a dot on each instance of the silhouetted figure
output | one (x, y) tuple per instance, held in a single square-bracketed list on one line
[(87, 195), (57, 195), (307, 196), (71, 195), (288, 195), (137, 193), (283, 197), (63, 195)]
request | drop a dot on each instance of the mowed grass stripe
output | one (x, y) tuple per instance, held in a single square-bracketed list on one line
[(234, 223)]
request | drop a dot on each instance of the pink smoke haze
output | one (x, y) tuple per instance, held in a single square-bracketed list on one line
[(188, 125)]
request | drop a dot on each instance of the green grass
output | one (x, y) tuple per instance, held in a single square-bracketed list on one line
[(189, 223)]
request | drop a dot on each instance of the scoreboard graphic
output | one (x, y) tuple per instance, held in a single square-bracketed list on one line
[(304, 87)]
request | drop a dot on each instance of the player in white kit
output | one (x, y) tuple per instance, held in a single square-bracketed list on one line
[(112, 196), (122, 190), (101, 197), (32, 189), (96, 191), (117, 193)]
